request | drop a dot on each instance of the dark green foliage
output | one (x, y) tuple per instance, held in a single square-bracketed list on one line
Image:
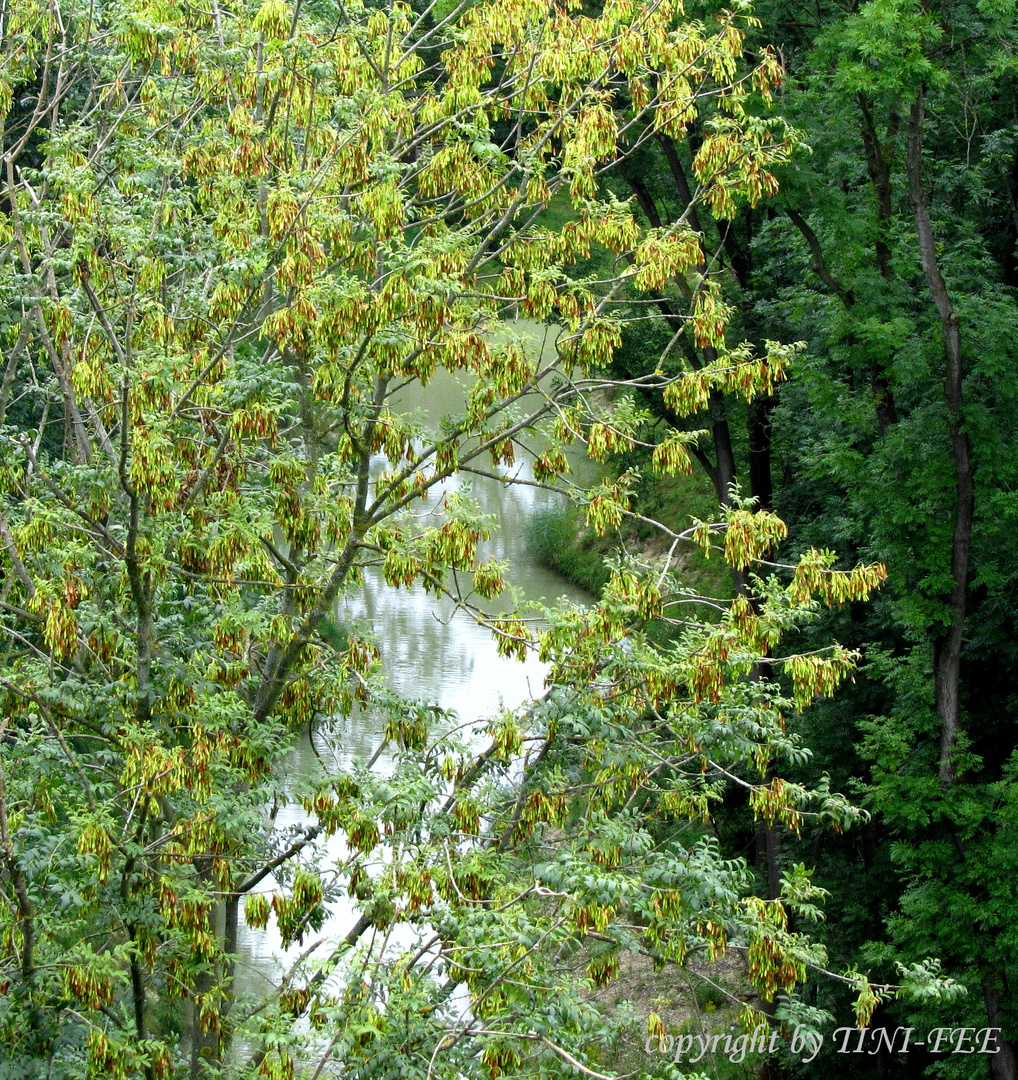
[(865, 432), (861, 448)]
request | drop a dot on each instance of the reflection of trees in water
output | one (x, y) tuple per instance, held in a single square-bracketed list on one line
[(429, 651), (426, 648), (340, 741), (511, 505)]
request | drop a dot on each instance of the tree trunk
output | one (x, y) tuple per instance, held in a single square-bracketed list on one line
[(947, 644), (679, 176), (645, 199), (1004, 1065), (231, 935), (761, 485), (880, 176)]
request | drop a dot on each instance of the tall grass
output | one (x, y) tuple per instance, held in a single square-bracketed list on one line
[(561, 540)]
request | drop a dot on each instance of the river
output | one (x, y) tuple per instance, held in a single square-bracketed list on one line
[(430, 651)]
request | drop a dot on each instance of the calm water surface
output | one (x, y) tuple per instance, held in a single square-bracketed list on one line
[(429, 651)]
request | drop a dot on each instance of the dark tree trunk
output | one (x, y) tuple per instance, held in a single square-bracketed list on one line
[(1004, 1065), (679, 176), (645, 199), (883, 398), (948, 643), (768, 858), (723, 452), (761, 485), (879, 169), (739, 254)]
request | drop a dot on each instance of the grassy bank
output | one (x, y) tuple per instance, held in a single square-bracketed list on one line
[(561, 540)]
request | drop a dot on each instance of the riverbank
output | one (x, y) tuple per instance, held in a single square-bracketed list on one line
[(559, 538)]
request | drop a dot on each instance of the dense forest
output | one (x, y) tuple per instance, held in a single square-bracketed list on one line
[(769, 791)]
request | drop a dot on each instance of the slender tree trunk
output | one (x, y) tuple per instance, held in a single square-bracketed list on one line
[(879, 169), (644, 198), (25, 914), (947, 644), (231, 936), (206, 1046), (679, 176), (724, 473), (138, 985), (768, 858), (723, 451)]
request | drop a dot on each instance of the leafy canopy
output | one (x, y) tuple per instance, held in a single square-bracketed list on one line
[(231, 238)]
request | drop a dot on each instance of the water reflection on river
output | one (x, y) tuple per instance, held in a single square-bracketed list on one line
[(430, 651)]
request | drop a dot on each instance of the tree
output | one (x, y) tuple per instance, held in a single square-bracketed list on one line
[(663, 179), (231, 237), (897, 261)]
